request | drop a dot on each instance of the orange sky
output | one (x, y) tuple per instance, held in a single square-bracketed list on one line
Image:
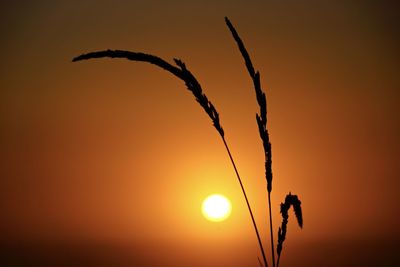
[(107, 161)]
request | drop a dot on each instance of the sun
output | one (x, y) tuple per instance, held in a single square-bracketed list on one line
[(216, 208)]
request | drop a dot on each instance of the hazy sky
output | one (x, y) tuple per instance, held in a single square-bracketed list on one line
[(107, 161)]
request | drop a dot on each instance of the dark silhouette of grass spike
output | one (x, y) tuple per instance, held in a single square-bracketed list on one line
[(182, 72), (290, 200), (193, 85), (261, 119)]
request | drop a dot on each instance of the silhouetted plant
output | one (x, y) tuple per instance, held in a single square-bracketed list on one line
[(290, 200), (193, 85), (261, 119), (182, 72)]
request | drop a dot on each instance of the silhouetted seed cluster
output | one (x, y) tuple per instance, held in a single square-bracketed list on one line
[(182, 72), (261, 119), (290, 200), (194, 86), (262, 102)]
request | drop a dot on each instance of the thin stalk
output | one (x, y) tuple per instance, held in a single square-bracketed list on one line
[(277, 263), (261, 119), (271, 229), (193, 85), (247, 202)]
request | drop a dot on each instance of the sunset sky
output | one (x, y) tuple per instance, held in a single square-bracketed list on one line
[(106, 162)]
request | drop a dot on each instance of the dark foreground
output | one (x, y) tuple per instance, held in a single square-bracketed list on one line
[(102, 254)]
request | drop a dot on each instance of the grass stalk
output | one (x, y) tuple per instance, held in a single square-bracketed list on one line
[(271, 229), (193, 85), (261, 119), (248, 205), (290, 201)]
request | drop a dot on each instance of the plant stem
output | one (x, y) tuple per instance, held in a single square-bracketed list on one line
[(247, 202), (261, 121), (271, 229), (193, 85)]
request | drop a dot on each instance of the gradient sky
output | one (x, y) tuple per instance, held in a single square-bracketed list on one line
[(106, 162)]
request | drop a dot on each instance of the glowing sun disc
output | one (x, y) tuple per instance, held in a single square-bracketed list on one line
[(216, 208)]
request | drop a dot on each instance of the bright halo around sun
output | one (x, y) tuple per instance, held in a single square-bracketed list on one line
[(216, 208)]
